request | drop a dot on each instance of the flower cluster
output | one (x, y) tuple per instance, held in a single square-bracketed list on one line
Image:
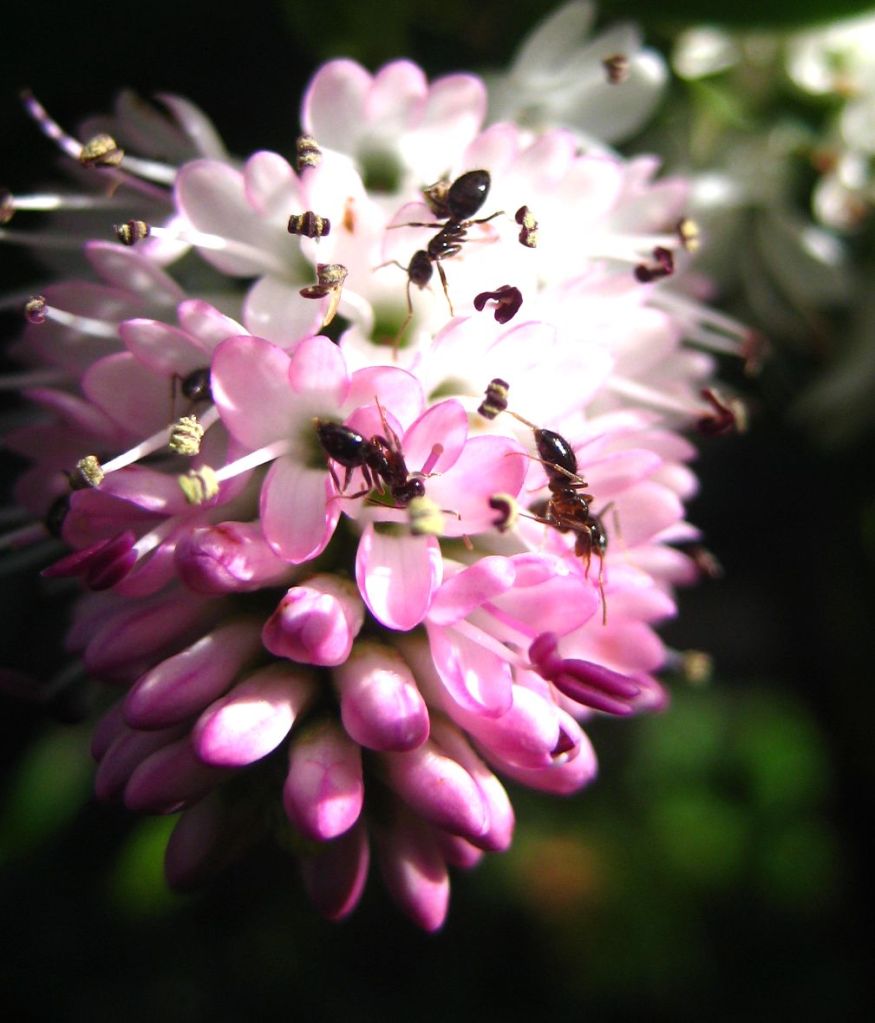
[(371, 464)]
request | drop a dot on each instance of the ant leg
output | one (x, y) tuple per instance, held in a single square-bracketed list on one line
[(485, 220), (601, 586), (413, 223), (390, 262), (405, 324), (443, 277)]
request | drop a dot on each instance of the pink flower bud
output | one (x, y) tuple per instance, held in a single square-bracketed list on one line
[(324, 789), (317, 622), (380, 704), (110, 726), (184, 684), (171, 779), (438, 788), (334, 873), (140, 630), (232, 557), (130, 748), (207, 837), (568, 772), (499, 834), (254, 717), (414, 871)]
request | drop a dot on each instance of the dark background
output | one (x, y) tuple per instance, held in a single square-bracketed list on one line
[(721, 864)]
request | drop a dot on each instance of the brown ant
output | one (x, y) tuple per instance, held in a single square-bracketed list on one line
[(568, 508), (456, 203), (380, 459)]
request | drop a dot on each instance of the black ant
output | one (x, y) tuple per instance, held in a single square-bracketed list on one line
[(380, 460), (568, 508), (456, 203), (195, 386)]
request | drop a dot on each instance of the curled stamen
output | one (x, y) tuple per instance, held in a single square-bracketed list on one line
[(583, 681), (329, 281), (529, 227), (309, 224), (508, 301), (729, 415), (616, 68), (664, 266), (508, 511)]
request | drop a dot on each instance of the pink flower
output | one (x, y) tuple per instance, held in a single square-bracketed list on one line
[(308, 546)]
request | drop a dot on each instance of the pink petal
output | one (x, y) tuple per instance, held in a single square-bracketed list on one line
[(137, 401), (446, 424), (397, 576), (273, 309), (297, 516), (467, 590), (250, 387), (206, 323), (128, 269), (318, 369), (165, 350), (475, 678), (333, 105)]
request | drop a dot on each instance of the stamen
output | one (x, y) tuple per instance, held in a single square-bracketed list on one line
[(255, 458), (616, 68), (489, 642), (88, 473), (529, 227), (132, 231), (45, 202), (495, 401), (199, 485), (508, 511), (329, 281), (35, 310), (653, 397), (663, 266), (425, 516), (309, 224), (436, 451), (688, 232), (156, 442), (101, 151), (217, 243), (508, 301), (308, 152), (186, 436), (729, 415), (49, 126)]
